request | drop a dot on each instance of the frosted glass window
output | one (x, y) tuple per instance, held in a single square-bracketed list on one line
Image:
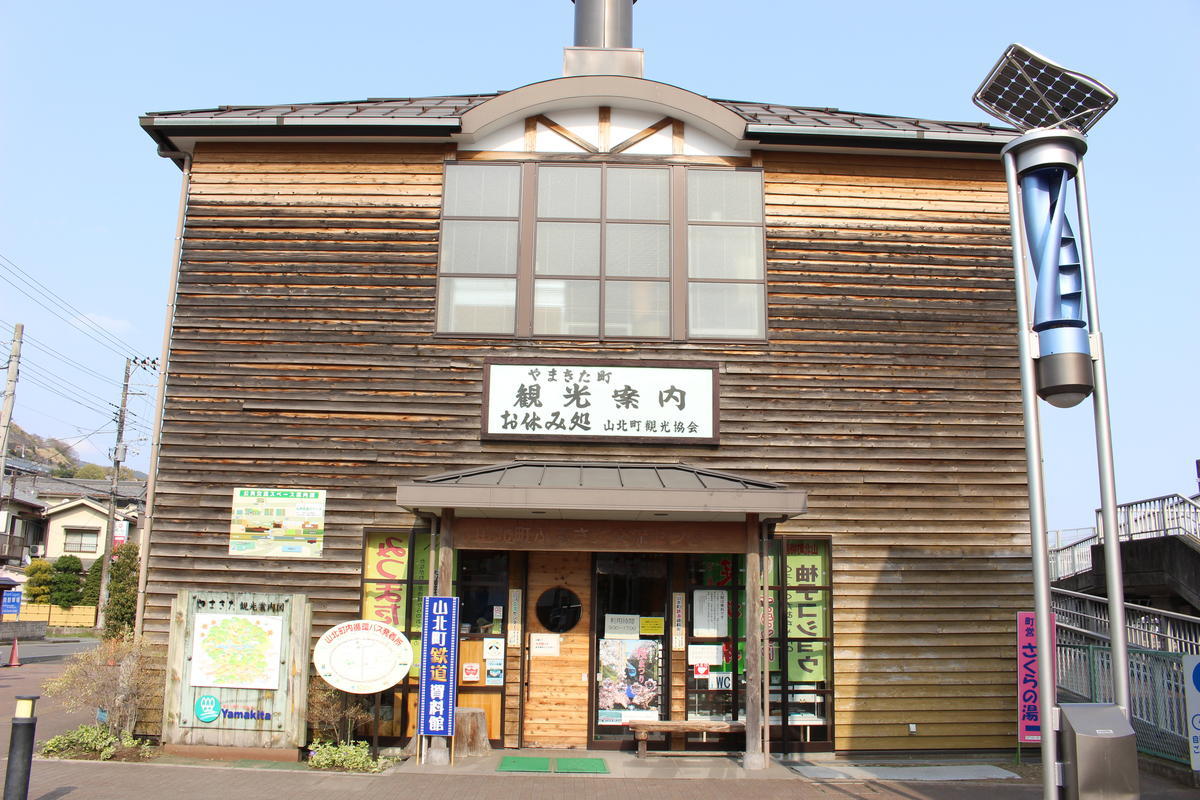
[(568, 248), (569, 192), (725, 310), (639, 194), (569, 308), (479, 246), (482, 190), (477, 305), (724, 196), (637, 251), (637, 308), (725, 251)]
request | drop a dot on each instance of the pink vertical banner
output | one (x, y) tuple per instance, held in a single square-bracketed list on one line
[(1029, 685)]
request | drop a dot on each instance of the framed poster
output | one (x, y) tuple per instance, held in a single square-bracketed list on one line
[(630, 681), (277, 523)]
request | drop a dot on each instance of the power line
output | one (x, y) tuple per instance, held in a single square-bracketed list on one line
[(97, 333), (65, 359)]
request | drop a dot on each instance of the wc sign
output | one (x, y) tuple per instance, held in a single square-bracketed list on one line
[(720, 681), (1191, 694)]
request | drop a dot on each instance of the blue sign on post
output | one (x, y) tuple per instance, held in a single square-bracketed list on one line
[(11, 602), (438, 688)]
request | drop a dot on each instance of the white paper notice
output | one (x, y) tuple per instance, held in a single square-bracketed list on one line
[(622, 626), (705, 654), (710, 613), (544, 644)]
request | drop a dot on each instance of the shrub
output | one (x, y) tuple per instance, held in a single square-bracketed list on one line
[(91, 584), (38, 576), (66, 584), (332, 713), (113, 675), (351, 757), (121, 608), (89, 741)]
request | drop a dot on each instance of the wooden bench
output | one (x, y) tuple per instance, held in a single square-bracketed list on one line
[(642, 729)]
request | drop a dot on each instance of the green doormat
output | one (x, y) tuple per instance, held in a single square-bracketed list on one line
[(592, 765), (523, 764)]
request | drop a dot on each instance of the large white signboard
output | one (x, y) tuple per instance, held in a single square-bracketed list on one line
[(363, 657), (607, 401)]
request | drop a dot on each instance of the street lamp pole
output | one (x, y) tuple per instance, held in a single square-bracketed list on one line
[(1061, 353)]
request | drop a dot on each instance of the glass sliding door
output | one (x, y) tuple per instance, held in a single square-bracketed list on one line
[(632, 593)]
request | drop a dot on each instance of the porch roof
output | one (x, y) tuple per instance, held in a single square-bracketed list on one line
[(601, 490)]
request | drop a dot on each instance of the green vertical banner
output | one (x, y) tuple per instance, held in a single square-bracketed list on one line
[(806, 578)]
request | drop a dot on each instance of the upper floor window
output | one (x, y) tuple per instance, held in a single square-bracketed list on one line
[(601, 251), (80, 540)]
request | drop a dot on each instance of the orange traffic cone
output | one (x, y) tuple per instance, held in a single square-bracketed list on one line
[(14, 655)]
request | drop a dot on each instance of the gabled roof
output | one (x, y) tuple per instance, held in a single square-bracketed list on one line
[(441, 117), (42, 486), (82, 501)]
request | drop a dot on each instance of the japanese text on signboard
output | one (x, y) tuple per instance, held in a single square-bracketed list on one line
[(1029, 705), (439, 666), (600, 401)]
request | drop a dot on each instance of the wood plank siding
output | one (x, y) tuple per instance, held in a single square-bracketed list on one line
[(303, 355)]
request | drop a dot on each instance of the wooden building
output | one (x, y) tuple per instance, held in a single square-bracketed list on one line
[(611, 360)]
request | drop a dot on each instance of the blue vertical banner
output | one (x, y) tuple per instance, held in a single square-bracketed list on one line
[(438, 688)]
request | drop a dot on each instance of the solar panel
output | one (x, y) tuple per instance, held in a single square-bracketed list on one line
[(1031, 91)]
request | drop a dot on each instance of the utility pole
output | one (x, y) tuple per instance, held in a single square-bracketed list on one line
[(118, 457), (10, 394)]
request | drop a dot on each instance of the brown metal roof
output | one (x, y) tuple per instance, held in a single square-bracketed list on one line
[(598, 474), (448, 109), (600, 490)]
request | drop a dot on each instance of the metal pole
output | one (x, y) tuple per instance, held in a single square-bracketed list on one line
[(1118, 637), (20, 749), (1037, 496)]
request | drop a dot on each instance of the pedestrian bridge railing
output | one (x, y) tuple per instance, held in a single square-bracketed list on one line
[(1169, 515), (1157, 642)]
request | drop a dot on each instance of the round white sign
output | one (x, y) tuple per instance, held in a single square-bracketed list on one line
[(363, 657)]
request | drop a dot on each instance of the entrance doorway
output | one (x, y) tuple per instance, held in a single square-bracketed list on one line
[(557, 650), (632, 654)]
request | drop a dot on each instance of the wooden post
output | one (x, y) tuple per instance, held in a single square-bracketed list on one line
[(445, 555), (754, 758), (440, 749)]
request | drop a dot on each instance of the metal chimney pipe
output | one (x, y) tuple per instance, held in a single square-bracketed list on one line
[(604, 23)]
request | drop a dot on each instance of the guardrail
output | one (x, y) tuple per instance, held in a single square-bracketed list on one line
[(1157, 642), (1169, 515)]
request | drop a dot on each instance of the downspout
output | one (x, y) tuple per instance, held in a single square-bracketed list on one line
[(160, 392)]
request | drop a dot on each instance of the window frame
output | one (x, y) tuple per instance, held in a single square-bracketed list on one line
[(678, 280), (68, 531)]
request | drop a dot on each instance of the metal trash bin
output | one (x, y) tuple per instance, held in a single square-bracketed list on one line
[(1099, 753)]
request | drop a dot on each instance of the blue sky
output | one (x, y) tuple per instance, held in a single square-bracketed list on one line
[(88, 210)]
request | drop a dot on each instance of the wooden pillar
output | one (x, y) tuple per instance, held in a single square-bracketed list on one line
[(438, 752), (754, 758), (445, 554)]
